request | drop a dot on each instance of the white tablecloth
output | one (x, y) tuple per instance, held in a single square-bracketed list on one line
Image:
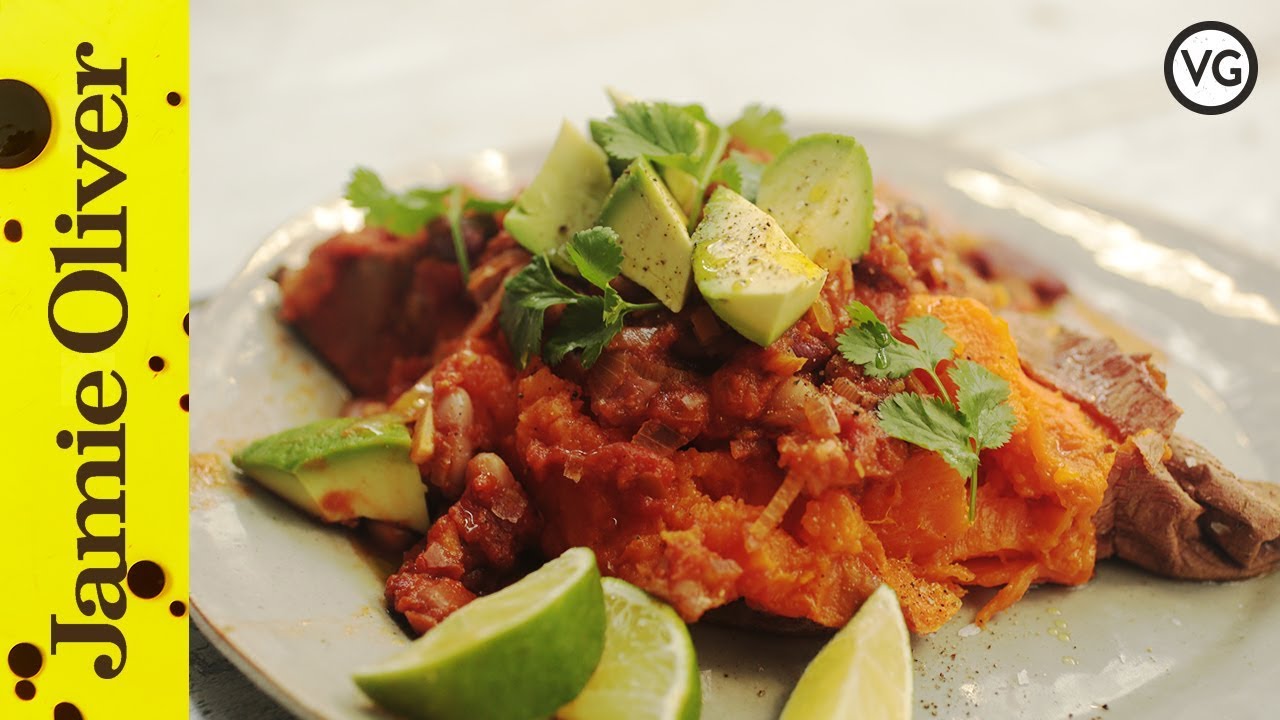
[(288, 95)]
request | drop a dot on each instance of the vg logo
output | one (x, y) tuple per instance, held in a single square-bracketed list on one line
[(1210, 68)]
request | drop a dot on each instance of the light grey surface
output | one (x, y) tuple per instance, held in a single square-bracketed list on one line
[(288, 95)]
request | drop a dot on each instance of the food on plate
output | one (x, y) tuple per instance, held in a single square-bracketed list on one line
[(747, 378), (342, 469), (648, 670), (564, 197), (1173, 509), (819, 189), (1170, 506), (748, 272), (652, 232), (516, 654), (862, 672), (685, 144)]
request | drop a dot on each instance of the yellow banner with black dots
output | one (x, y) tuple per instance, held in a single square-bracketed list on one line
[(93, 358)]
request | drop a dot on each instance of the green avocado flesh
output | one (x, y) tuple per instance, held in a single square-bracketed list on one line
[(653, 233), (749, 271), (342, 469), (686, 186), (564, 197), (820, 191)]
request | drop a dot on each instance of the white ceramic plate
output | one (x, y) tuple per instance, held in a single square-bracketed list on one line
[(297, 606)]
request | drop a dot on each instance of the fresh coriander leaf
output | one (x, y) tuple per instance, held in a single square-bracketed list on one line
[(932, 345), (401, 213), (981, 396), (583, 326), (597, 255), (931, 423), (524, 303), (860, 345), (664, 133), (741, 173), (750, 170), (929, 335), (615, 308), (697, 111), (588, 323), (729, 174), (761, 127), (868, 342), (408, 212), (860, 313), (979, 419)]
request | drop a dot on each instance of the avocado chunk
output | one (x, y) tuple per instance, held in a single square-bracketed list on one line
[(564, 197), (687, 186), (749, 271), (653, 232), (684, 189), (342, 469), (819, 190)]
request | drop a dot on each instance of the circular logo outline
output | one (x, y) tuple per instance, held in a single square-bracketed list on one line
[(1171, 55)]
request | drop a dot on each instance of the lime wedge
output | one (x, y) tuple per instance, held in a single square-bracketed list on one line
[(517, 654), (864, 672), (648, 671)]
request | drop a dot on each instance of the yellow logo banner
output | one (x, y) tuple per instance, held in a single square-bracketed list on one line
[(93, 358)]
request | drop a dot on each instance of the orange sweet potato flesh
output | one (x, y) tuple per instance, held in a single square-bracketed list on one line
[(691, 526), (1037, 496)]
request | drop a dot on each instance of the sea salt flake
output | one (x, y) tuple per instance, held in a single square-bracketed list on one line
[(1023, 678), (969, 630)]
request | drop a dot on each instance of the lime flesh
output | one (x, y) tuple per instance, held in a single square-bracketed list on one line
[(863, 673), (648, 671), (517, 654)]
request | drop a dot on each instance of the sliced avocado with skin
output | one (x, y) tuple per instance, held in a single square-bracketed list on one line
[(749, 271), (564, 197), (819, 190), (342, 469), (653, 232)]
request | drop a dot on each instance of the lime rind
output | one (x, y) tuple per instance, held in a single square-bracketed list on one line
[(649, 670), (517, 654)]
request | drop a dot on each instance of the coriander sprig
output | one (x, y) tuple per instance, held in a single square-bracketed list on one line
[(665, 134), (407, 212), (980, 418), (741, 173), (761, 127), (589, 322)]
